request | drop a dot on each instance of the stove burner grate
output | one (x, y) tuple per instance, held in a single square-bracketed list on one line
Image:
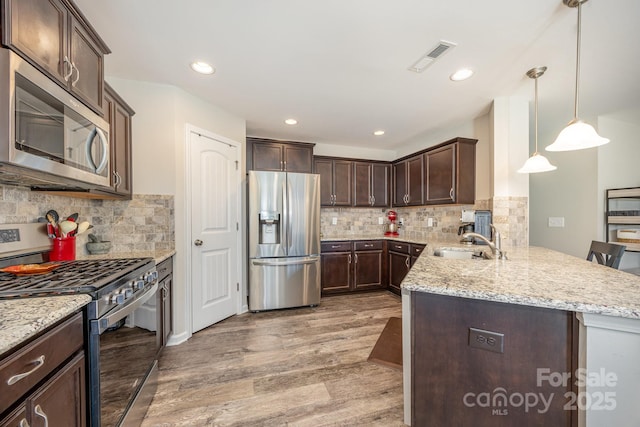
[(72, 277)]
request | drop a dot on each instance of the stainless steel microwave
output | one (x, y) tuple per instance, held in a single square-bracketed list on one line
[(45, 131)]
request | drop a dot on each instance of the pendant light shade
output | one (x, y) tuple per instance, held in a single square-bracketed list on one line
[(537, 162), (578, 134)]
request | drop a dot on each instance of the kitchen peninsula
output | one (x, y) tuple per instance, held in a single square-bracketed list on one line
[(542, 337)]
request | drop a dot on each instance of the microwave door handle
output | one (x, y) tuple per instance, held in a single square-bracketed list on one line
[(105, 149)]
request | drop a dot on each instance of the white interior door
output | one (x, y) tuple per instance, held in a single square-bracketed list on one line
[(215, 235)]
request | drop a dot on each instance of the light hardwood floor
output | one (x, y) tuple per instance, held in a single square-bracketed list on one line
[(299, 367)]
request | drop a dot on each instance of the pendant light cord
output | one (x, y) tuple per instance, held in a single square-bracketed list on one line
[(575, 107), (536, 113)]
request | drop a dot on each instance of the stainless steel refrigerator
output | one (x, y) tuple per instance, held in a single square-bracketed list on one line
[(284, 240)]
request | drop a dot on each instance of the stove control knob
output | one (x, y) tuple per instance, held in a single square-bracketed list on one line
[(117, 298), (150, 276), (128, 292), (139, 284)]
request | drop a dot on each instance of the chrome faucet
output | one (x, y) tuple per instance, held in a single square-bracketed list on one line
[(495, 245)]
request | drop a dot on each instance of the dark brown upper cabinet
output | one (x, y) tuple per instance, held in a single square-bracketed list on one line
[(450, 172), (54, 36), (371, 184), (335, 181), (271, 155), (408, 178), (119, 115)]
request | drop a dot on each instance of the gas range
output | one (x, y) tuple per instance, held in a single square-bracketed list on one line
[(109, 282)]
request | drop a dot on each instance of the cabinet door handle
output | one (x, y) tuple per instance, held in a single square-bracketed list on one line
[(23, 423), (73, 83), (38, 410), (451, 193), (66, 75), (15, 378), (373, 200), (349, 258), (406, 261), (356, 258)]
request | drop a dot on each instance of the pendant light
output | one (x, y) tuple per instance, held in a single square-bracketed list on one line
[(578, 134), (537, 162)]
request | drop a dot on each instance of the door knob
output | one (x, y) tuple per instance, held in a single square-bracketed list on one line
[(198, 242)]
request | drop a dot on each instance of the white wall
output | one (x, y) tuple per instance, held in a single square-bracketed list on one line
[(576, 191), (159, 132), (321, 149), (153, 126)]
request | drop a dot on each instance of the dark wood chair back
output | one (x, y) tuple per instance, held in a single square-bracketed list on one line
[(608, 254)]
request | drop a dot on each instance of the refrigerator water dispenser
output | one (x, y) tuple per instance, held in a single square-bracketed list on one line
[(269, 228)]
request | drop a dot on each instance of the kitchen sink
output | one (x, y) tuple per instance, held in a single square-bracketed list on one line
[(461, 253)]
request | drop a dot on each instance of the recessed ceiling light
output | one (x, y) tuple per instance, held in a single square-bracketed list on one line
[(461, 74), (291, 122), (202, 67), (378, 133)]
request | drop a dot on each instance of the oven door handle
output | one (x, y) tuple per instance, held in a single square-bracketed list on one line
[(100, 325)]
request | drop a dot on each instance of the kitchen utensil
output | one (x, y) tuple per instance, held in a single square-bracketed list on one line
[(73, 217), (93, 237), (82, 227), (466, 228), (97, 246), (51, 233), (53, 217), (66, 227)]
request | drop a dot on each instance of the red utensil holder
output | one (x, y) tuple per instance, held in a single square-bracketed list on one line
[(63, 249)]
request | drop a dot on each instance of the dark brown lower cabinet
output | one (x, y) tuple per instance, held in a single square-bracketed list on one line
[(401, 257), (58, 402), (502, 374), (352, 266), (163, 301)]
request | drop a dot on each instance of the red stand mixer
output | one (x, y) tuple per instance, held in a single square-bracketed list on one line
[(392, 227)]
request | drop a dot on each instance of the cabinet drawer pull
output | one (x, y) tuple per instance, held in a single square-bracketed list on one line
[(368, 245), (335, 246), (38, 362), (38, 410), (398, 247)]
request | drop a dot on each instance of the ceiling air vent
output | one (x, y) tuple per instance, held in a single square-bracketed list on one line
[(427, 59)]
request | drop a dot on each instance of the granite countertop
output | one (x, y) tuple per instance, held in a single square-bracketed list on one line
[(158, 256), (531, 276), (380, 236), (22, 319)]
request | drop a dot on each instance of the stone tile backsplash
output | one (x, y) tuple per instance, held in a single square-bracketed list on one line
[(510, 217), (145, 223)]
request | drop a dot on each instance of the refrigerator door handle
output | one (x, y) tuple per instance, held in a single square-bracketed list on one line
[(312, 260)]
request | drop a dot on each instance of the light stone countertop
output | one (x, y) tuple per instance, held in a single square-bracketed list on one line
[(531, 276), (158, 256), (380, 236), (24, 318)]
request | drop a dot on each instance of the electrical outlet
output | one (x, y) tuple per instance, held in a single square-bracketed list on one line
[(486, 340), (334, 221), (401, 221), (429, 222), (556, 221), (380, 220)]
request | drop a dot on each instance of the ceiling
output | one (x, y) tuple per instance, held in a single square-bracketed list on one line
[(341, 67)]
